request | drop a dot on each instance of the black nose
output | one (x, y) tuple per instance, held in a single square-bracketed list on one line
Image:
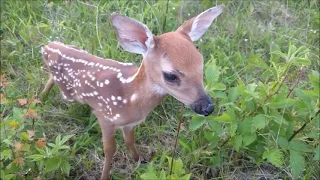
[(203, 106)]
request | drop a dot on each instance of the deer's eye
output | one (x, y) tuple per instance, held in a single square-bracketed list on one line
[(170, 77)]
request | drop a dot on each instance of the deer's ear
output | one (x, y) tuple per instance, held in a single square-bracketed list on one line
[(133, 36), (197, 26)]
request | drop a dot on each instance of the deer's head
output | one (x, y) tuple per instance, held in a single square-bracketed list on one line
[(172, 63)]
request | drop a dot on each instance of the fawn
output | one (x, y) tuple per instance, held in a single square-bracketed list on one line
[(122, 95)]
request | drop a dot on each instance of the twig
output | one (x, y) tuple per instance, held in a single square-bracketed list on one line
[(299, 77), (302, 127), (270, 95), (177, 137), (97, 27), (275, 92), (179, 14), (165, 17), (97, 17), (159, 28), (87, 4), (225, 142)]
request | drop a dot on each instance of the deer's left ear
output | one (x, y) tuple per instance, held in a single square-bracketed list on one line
[(197, 26)]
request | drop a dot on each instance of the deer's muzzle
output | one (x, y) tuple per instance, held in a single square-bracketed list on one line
[(204, 106)]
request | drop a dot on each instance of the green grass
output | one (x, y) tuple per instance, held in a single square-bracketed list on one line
[(245, 31)]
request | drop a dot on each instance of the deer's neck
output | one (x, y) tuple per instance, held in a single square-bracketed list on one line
[(146, 95)]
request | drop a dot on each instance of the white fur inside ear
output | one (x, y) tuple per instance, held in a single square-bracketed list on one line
[(133, 36), (203, 21), (150, 41)]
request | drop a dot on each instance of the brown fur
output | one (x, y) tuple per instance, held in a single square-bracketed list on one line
[(125, 101)]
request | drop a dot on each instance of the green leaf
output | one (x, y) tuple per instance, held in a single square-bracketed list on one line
[(58, 139), (43, 25), (36, 157), (303, 61), (315, 80), (251, 87), (284, 103), (233, 128), (172, 177), (18, 113), (215, 125), (162, 175), (219, 94), (150, 174), (279, 53), (196, 122), (216, 160), (218, 86), (185, 145), (234, 123), (65, 167), (233, 94), (177, 166), (258, 122), (66, 138), (299, 146), (185, 177), (301, 95), (257, 61), (50, 5), (237, 142), (246, 126), (5, 154), (283, 142), (274, 47), (212, 138), (212, 72), (277, 117), (7, 176), (317, 154), (297, 163), (52, 164), (247, 139), (274, 156), (224, 118)]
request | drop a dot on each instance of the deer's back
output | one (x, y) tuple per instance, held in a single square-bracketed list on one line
[(86, 78)]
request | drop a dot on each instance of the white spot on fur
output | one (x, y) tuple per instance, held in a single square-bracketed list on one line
[(166, 65), (133, 97)]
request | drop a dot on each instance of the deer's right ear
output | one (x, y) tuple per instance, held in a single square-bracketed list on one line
[(197, 26), (133, 36)]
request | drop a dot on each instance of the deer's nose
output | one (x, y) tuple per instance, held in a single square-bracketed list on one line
[(204, 106)]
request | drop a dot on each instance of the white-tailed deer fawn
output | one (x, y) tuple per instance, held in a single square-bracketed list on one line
[(122, 95)]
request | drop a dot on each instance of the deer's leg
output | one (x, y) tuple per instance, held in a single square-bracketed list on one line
[(48, 85), (128, 134), (109, 147)]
